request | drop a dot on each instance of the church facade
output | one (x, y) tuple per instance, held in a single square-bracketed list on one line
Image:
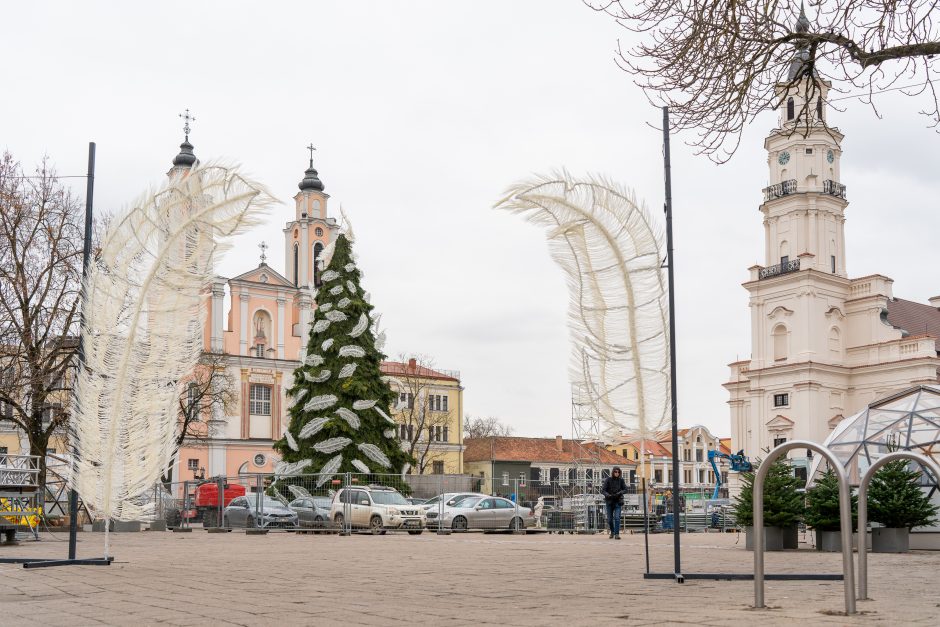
[(261, 339), (823, 344)]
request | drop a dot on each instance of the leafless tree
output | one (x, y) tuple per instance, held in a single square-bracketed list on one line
[(718, 63), (41, 239), (487, 427), (423, 421), (211, 388)]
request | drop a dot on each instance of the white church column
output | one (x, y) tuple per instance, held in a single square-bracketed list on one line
[(304, 305), (280, 327), (243, 330), (218, 293)]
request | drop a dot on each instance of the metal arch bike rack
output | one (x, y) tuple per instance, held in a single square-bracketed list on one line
[(924, 461), (845, 517)]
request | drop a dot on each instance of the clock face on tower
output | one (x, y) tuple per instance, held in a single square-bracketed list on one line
[(783, 158), (830, 157)]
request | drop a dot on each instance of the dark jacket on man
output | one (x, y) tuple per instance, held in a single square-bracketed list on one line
[(614, 488)]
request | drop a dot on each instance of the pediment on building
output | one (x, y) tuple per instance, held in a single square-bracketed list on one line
[(779, 423), (780, 312), (835, 312), (264, 274), (835, 420)]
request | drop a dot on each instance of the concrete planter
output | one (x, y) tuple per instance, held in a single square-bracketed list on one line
[(830, 541), (791, 537), (119, 526), (889, 540), (773, 538)]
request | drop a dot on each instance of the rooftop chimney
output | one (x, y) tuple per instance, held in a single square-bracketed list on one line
[(934, 301), (412, 364), (559, 443)]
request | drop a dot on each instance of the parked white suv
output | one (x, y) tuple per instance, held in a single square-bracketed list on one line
[(377, 508)]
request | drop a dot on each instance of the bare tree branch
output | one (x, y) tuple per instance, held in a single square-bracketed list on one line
[(718, 63), (487, 427)]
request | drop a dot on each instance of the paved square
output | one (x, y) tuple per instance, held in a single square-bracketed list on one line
[(287, 579)]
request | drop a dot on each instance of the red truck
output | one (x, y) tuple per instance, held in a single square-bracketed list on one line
[(202, 504)]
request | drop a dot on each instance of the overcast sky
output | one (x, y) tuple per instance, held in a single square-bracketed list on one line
[(423, 113)]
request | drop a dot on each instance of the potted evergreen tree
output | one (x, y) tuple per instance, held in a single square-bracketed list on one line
[(822, 512), (783, 508), (896, 501)]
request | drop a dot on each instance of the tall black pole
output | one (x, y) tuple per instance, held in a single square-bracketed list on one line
[(86, 257), (672, 353)]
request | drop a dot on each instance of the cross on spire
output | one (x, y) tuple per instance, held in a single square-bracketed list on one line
[(311, 148), (264, 248), (187, 118)]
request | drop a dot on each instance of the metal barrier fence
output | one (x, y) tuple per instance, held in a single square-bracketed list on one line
[(377, 503)]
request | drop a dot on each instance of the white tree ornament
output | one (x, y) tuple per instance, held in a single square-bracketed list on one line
[(144, 299), (329, 469), (327, 343), (349, 417), (384, 415), (321, 325), (360, 466), (324, 375), (336, 290), (360, 327), (335, 316), (329, 275), (375, 454), (351, 287), (331, 445), (343, 302), (611, 253), (313, 360), (351, 350), (313, 427), (291, 442), (325, 307), (323, 401), (360, 405), (346, 371)]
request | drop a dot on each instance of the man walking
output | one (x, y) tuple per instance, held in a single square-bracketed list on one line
[(613, 490)]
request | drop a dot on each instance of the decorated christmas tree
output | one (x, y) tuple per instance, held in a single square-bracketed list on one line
[(339, 416)]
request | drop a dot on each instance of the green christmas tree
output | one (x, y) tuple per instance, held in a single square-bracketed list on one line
[(822, 504), (783, 505), (339, 416), (896, 500)]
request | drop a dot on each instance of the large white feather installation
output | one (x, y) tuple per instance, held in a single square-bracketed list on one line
[(611, 254), (144, 299)]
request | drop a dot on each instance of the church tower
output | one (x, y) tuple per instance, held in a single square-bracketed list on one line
[(823, 345)]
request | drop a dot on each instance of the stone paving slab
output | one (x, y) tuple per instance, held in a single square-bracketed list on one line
[(461, 579)]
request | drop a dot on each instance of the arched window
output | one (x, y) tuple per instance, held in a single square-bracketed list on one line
[(790, 109), (296, 264), (784, 252), (317, 249), (781, 339)]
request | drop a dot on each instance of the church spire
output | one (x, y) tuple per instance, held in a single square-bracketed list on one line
[(186, 157), (800, 61), (311, 181)]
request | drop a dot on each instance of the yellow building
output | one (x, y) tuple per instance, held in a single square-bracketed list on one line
[(429, 415)]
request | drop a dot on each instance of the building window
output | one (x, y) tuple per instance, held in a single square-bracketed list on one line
[(686, 455), (407, 399), (636, 454), (505, 478), (832, 260), (687, 476), (259, 459), (438, 468), (784, 260), (411, 432), (790, 109), (446, 439), (779, 441), (809, 151), (403, 432), (317, 249), (192, 464), (781, 400), (444, 403), (701, 476), (698, 455), (318, 231), (4, 450), (819, 108), (658, 476), (192, 395), (259, 400), (800, 473)]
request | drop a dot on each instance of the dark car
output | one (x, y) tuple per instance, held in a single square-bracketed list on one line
[(312, 511)]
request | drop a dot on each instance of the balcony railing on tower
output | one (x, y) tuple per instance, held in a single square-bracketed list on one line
[(833, 188), (784, 188), (781, 268)]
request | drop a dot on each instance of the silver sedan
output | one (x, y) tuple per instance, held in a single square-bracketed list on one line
[(488, 513)]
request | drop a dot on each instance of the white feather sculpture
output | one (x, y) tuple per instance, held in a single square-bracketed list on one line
[(329, 469), (375, 454), (360, 327), (144, 299), (313, 427), (360, 466), (611, 253), (323, 401), (360, 405), (346, 371)]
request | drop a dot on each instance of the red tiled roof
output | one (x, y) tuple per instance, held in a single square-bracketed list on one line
[(649, 446), (515, 449), (915, 318), (724, 445), (397, 368)]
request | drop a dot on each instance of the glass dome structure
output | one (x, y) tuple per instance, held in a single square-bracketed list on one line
[(909, 420)]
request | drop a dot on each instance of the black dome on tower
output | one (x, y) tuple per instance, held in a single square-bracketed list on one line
[(311, 181), (186, 157)]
